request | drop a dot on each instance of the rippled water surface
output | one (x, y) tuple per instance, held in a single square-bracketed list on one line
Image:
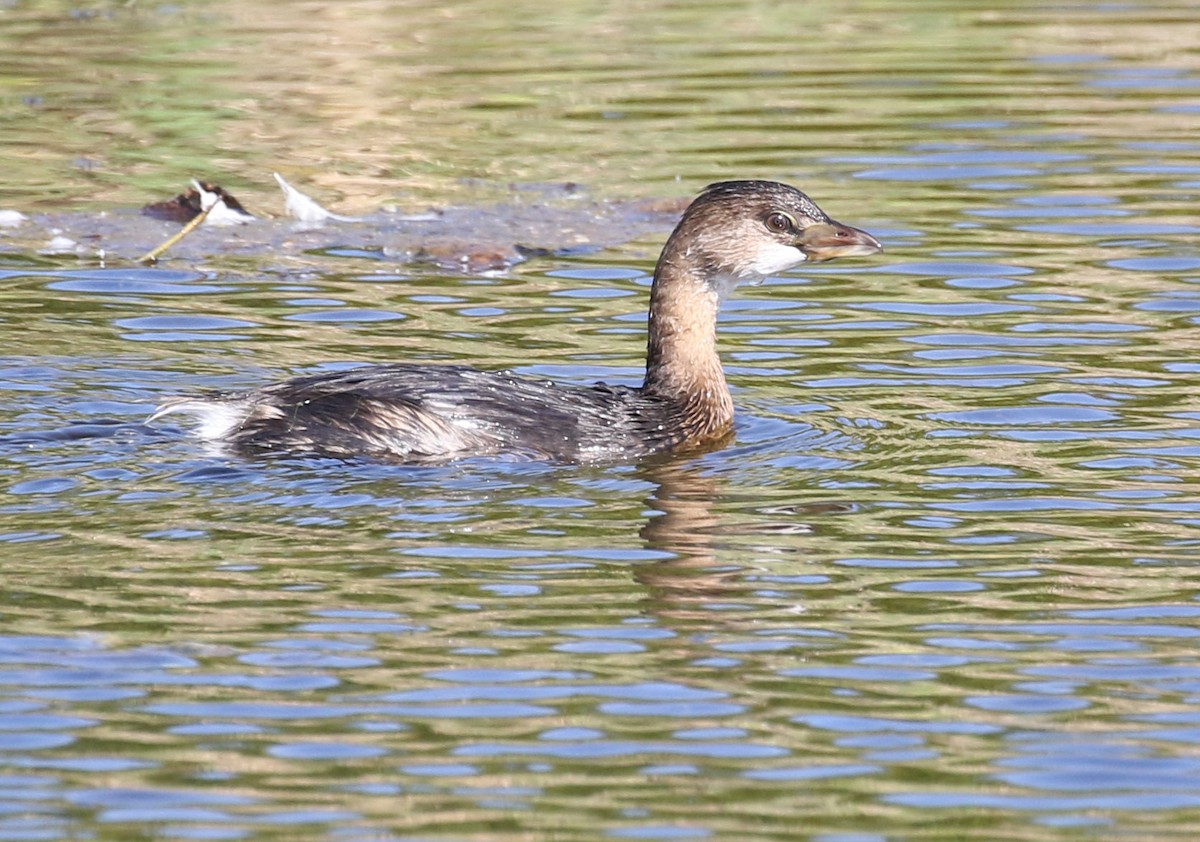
[(943, 585)]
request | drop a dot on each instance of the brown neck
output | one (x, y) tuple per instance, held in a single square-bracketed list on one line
[(681, 359)]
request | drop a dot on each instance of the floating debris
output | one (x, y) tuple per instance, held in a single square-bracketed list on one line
[(187, 206), (478, 240), (470, 258), (305, 209), (210, 202), (60, 244), (11, 218)]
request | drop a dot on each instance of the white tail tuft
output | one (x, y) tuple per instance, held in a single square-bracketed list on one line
[(217, 418)]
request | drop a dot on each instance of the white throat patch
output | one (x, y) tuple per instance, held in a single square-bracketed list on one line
[(776, 257), (771, 259)]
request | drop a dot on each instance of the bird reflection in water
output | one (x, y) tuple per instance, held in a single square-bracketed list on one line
[(707, 550)]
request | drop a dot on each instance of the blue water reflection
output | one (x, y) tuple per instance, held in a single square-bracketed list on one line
[(941, 579)]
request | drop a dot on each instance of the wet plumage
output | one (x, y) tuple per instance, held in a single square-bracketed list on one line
[(420, 413), (733, 232)]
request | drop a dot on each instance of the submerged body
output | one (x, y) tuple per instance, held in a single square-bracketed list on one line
[(421, 413), (733, 232)]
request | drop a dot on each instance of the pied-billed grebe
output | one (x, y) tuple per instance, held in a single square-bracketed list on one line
[(735, 231)]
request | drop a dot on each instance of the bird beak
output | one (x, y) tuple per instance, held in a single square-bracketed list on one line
[(827, 240)]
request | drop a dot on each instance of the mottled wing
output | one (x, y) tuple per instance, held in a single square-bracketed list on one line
[(419, 413)]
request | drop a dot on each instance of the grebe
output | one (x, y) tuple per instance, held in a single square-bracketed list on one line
[(734, 232)]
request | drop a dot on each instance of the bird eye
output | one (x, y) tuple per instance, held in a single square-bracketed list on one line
[(780, 222)]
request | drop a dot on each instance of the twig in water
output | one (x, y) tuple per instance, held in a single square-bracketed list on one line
[(151, 257)]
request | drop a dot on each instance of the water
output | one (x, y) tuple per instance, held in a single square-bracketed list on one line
[(942, 586)]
